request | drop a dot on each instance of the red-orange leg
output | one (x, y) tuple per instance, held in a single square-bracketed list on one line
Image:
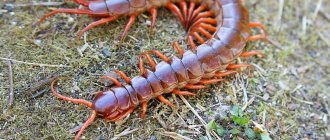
[(210, 81), (191, 10), (263, 35), (123, 115), (190, 86), (124, 76), (178, 49), (252, 53), (82, 2), (176, 11), (71, 11), (96, 23), (197, 11), (144, 109), (191, 43), (208, 27), (187, 93), (183, 6), (128, 26), (153, 12), (236, 66), (160, 55), (164, 100), (141, 63), (225, 73), (115, 81)]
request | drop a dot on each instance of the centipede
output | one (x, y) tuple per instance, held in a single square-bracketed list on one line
[(217, 33)]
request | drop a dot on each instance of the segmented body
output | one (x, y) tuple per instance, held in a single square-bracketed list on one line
[(208, 61)]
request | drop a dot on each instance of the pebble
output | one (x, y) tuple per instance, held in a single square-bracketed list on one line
[(153, 138), (44, 25), (8, 6), (70, 20), (106, 52), (1, 14)]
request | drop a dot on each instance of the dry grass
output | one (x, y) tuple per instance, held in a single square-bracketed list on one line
[(286, 92)]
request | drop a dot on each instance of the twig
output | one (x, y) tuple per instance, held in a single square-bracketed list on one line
[(43, 82), (248, 103), (325, 15), (11, 89), (279, 15), (175, 135), (34, 64), (317, 9), (124, 133), (38, 4), (199, 117)]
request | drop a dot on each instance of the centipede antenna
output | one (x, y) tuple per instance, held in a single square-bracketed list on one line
[(78, 101)]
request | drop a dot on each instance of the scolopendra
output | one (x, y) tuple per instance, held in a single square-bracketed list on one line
[(224, 23)]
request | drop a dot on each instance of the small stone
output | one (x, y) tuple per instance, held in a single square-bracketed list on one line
[(12, 13), (106, 52), (8, 6), (70, 20), (1, 14), (44, 25), (153, 138), (38, 42)]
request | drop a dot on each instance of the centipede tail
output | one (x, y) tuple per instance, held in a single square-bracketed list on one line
[(217, 32)]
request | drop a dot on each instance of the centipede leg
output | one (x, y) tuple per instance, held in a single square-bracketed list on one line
[(176, 11), (115, 81), (82, 2), (191, 10), (124, 76), (183, 6), (144, 109), (236, 66), (225, 73), (252, 53), (96, 23), (123, 115), (191, 43), (178, 92), (178, 49), (198, 37), (210, 81), (204, 32), (153, 13), (128, 26), (164, 100), (197, 11), (208, 27), (263, 35), (190, 86), (70, 11)]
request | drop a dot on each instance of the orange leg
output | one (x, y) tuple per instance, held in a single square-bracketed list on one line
[(115, 81), (204, 20), (226, 73), (86, 124), (124, 76), (190, 86), (72, 11), (183, 6), (263, 35), (198, 37), (153, 13), (203, 15), (178, 48), (123, 115), (149, 59), (164, 100), (82, 2), (204, 32), (176, 11), (191, 43), (128, 26), (96, 23), (144, 109), (160, 55), (210, 81), (191, 10), (252, 53), (197, 11), (208, 27), (236, 66), (178, 92)]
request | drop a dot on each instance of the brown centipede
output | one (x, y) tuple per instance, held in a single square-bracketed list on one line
[(220, 27)]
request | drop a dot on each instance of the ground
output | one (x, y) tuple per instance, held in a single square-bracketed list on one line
[(286, 92)]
